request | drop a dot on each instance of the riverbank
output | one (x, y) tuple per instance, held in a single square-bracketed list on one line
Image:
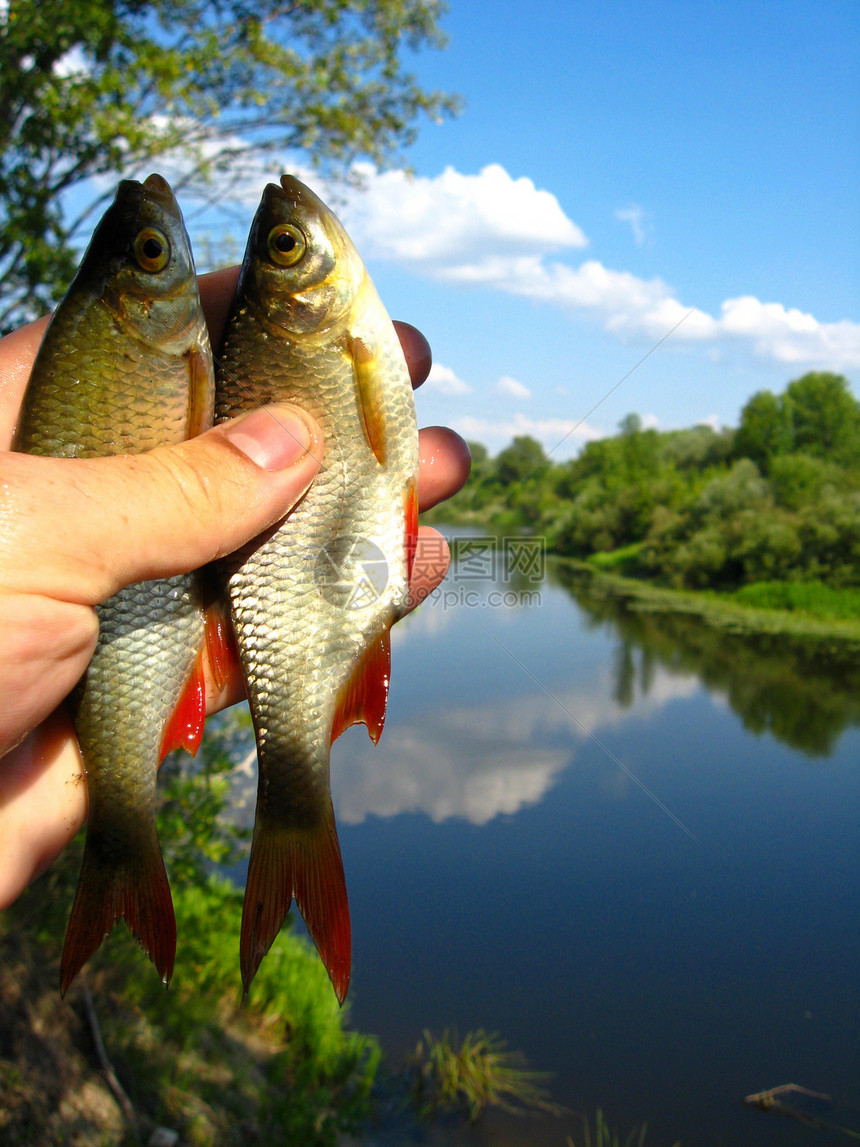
[(808, 610)]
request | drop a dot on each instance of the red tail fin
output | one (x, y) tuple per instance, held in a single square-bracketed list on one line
[(289, 862), (135, 887)]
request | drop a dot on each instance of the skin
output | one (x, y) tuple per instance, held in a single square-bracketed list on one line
[(113, 521)]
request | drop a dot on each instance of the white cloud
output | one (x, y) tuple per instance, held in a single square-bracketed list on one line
[(640, 309), (713, 420), (789, 335), (639, 221), (562, 437), (504, 234), (490, 230), (443, 380), (454, 219), (513, 389)]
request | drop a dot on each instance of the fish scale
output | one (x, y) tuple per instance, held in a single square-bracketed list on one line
[(314, 655), (125, 366)]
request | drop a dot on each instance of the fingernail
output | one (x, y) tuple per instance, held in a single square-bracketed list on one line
[(273, 437)]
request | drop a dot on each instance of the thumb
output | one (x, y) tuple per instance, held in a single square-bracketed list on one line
[(79, 529)]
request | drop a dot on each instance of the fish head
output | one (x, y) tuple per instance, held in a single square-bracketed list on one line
[(301, 269), (140, 266)]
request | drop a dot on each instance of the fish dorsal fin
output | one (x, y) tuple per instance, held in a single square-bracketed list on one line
[(184, 729), (365, 696), (368, 385), (201, 389)]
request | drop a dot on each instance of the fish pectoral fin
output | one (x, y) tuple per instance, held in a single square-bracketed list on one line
[(364, 698), (184, 727), (221, 644), (370, 389), (133, 887), (410, 506), (305, 864), (201, 389)]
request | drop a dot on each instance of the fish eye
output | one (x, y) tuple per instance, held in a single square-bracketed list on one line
[(151, 249), (286, 244)]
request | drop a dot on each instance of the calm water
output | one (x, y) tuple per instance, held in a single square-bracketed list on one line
[(627, 842)]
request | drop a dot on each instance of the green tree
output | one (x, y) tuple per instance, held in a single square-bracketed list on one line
[(524, 458), (824, 415), (99, 88), (765, 429)]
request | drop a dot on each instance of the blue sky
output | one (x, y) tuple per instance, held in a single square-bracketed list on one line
[(620, 168)]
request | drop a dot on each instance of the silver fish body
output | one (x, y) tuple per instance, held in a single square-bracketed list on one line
[(313, 602), (125, 366)]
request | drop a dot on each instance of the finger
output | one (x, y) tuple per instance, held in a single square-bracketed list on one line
[(217, 290), (444, 464), (432, 559), (44, 803), (46, 647), (83, 528), (419, 357), (17, 352)]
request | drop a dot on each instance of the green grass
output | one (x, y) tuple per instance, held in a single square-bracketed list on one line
[(605, 1137), (804, 610), (813, 598), (472, 1075), (625, 560)]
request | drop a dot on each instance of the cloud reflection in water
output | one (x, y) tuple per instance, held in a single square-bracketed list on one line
[(483, 761)]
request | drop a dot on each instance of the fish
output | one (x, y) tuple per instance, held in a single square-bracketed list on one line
[(125, 365), (313, 601)]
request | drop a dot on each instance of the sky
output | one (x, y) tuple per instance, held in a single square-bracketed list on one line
[(643, 207)]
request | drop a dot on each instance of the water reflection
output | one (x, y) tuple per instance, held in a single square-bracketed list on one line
[(477, 762), (493, 703), (805, 693)]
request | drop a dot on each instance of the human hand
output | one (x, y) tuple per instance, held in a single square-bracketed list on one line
[(72, 532)]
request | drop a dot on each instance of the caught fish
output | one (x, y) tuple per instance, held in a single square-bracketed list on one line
[(125, 365), (314, 600)]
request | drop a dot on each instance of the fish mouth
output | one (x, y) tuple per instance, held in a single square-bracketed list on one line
[(160, 188)]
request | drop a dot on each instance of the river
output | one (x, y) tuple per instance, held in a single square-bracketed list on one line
[(625, 841)]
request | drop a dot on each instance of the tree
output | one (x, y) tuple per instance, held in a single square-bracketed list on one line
[(824, 414), (524, 458), (765, 429), (99, 88)]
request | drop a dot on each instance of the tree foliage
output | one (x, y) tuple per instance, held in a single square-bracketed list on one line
[(817, 415), (102, 88), (776, 500)]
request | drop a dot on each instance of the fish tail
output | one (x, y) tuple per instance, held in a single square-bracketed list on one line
[(134, 887), (302, 863)]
